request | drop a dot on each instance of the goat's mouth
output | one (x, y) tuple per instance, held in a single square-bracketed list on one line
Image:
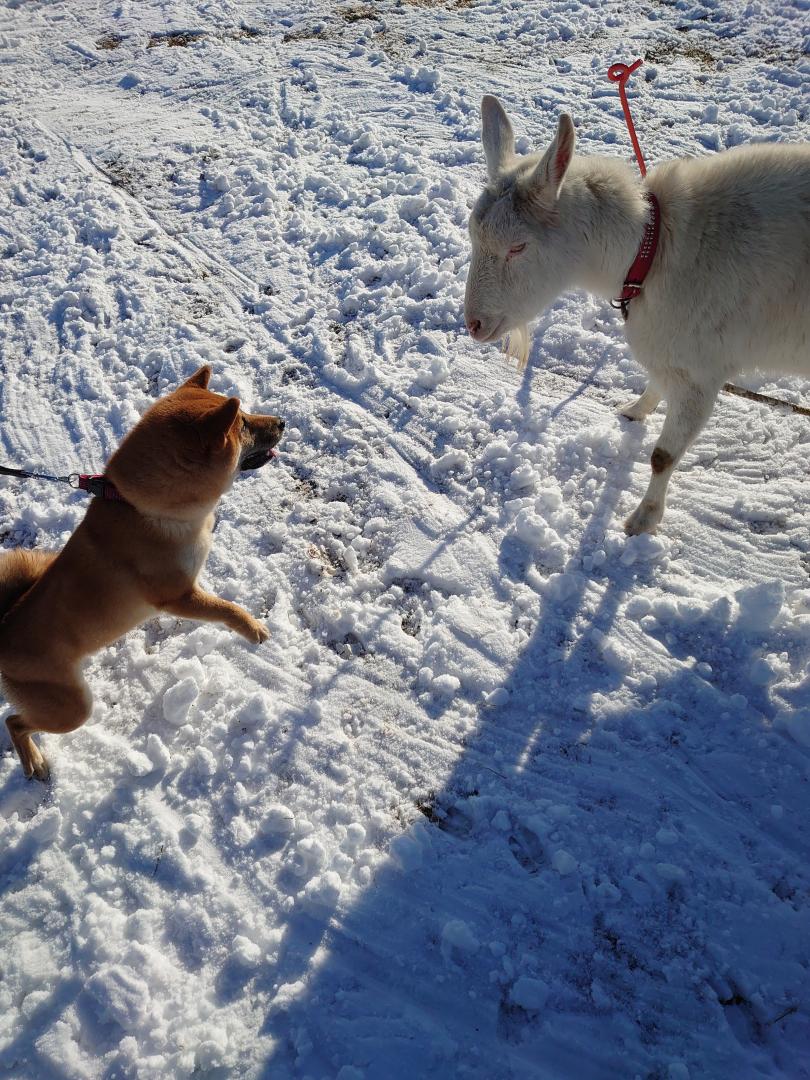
[(492, 335)]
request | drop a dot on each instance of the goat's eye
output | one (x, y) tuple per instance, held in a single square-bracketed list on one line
[(515, 249)]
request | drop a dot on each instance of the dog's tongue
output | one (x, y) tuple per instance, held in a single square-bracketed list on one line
[(255, 461)]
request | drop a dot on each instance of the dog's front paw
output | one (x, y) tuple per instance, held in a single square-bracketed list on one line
[(36, 768), (644, 518), (243, 623), (255, 632)]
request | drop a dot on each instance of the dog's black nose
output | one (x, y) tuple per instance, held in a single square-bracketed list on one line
[(281, 424)]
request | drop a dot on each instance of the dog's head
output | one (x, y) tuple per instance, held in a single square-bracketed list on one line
[(187, 449)]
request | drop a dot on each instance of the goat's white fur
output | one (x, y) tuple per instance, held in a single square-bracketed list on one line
[(728, 291)]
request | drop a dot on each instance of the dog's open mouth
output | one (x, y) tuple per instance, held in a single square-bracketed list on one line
[(257, 458)]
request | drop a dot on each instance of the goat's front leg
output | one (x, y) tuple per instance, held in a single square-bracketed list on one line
[(643, 406), (688, 408), (198, 604)]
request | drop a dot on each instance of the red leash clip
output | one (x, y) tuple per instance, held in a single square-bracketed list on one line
[(620, 73)]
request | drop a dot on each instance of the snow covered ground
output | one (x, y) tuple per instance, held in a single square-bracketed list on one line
[(506, 795)]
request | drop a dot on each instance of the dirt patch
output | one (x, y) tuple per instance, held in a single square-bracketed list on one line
[(675, 49), (687, 48), (200, 307), (356, 14), (305, 34), (451, 4), (109, 41), (120, 175), (174, 40), (182, 38)]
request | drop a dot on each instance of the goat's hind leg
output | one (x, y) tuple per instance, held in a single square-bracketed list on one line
[(56, 708), (643, 406), (689, 406)]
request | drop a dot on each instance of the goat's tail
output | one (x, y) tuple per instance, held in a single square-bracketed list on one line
[(19, 569)]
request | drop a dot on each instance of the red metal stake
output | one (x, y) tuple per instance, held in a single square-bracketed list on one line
[(620, 73)]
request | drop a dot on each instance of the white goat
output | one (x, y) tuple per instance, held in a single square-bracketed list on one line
[(728, 289)]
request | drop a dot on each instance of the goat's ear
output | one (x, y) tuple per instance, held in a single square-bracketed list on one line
[(547, 179), (496, 135)]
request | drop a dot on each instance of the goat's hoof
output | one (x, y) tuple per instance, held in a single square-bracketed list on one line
[(644, 519), (630, 411)]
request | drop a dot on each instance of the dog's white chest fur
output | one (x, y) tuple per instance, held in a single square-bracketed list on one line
[(194, 543), (193, 556)]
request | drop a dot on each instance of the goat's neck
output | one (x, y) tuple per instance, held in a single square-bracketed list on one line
[(610, 210)]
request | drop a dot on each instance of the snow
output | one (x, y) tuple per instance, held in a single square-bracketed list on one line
[(530, 994), (506, 794)]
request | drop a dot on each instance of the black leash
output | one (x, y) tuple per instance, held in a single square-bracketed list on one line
[(93, 484), (23, 475)]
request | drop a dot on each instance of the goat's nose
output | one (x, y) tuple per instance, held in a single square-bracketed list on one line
[(474, 326)]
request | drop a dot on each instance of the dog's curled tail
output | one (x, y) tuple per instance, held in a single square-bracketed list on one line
[(19, 570)]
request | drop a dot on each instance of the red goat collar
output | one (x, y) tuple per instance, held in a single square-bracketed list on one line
[(644, 259)]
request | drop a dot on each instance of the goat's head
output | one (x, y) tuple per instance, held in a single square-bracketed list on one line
[(521, 259)]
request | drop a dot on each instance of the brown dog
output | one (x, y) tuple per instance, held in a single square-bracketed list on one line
[(127, 560)]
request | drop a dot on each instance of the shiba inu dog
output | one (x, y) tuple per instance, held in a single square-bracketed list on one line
[(133, 555)]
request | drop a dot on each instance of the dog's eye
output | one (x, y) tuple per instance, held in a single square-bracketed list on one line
[(515, 249)]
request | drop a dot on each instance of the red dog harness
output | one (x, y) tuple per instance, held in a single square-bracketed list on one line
[(99, 486), (96, 485)]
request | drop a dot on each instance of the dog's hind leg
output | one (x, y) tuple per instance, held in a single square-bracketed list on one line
[(55, 708)]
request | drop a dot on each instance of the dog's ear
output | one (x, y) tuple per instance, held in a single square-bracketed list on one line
[(218, 423), (200, 378)]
